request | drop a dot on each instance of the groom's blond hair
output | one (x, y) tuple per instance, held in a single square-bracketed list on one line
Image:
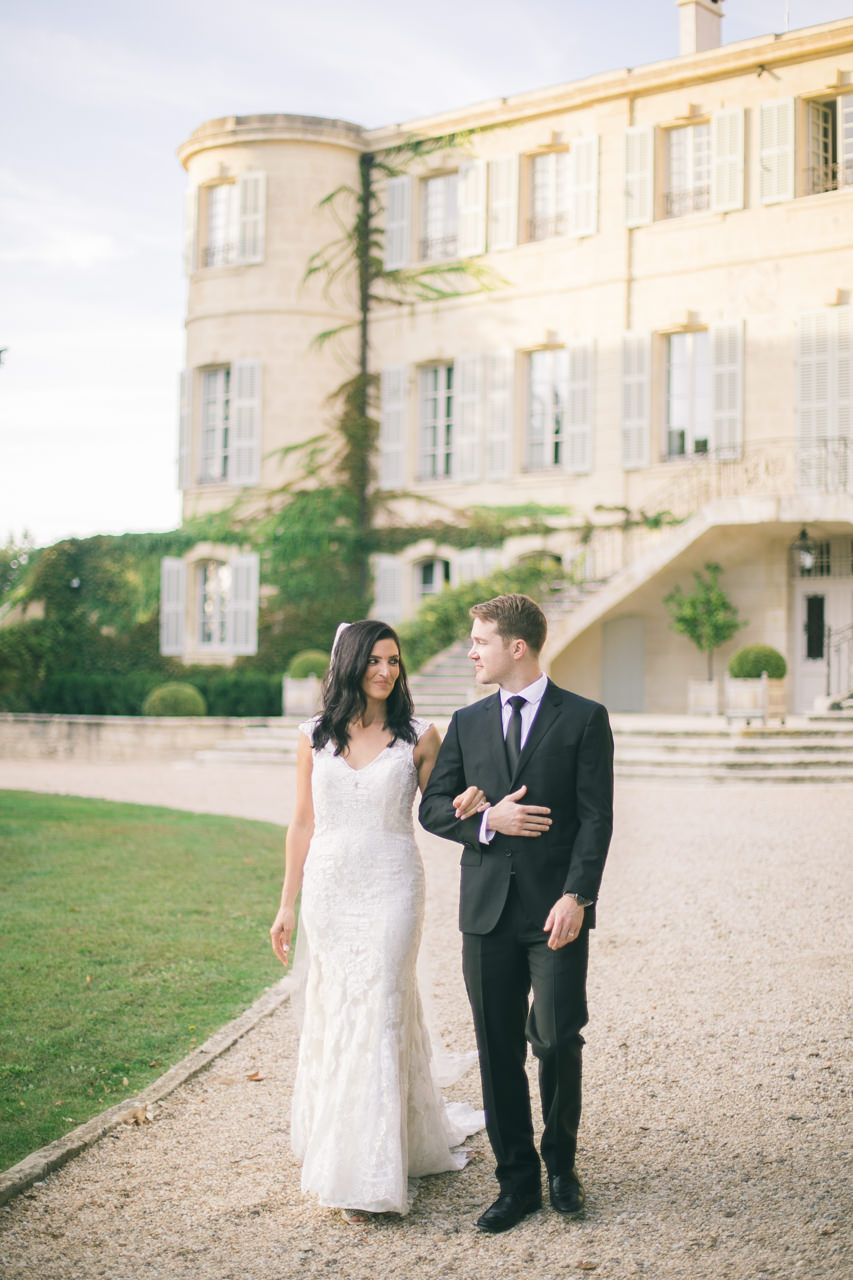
[(517, 618)]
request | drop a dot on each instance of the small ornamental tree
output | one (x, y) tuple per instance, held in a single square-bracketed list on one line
[(706, 616)]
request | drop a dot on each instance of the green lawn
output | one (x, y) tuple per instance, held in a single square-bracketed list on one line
[(128, 934)]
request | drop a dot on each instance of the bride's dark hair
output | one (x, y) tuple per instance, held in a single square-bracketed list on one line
[(344, 700)]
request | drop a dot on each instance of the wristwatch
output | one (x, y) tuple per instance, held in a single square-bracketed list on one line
[(582, 902)]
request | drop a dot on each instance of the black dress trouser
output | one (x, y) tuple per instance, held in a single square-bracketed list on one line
[(500, 969)]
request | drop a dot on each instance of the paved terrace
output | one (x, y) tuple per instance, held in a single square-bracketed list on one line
[(715, 1140)]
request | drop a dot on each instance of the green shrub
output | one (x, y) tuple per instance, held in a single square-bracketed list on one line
[(244, 693), (80, 693), (174, 699), (750, 662), (310, 662)]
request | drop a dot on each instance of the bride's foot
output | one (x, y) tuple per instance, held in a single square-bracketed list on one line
[(356, 1217)]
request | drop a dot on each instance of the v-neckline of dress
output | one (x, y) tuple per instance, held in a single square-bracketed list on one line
[(378, 756)]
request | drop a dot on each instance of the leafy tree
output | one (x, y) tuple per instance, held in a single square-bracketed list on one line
[(706, 616)]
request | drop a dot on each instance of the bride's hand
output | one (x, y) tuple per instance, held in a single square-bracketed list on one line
[(281, 933), (471, 801)]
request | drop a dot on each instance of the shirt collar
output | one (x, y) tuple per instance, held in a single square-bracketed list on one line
[(533, 693)]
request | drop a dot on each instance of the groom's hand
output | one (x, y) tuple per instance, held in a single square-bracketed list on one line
[(514, 819), (564, 923)]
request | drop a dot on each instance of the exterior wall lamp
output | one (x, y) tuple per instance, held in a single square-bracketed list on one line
[(803, 554)]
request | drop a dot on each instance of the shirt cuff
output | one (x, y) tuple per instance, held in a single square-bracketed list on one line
[(486, 836)]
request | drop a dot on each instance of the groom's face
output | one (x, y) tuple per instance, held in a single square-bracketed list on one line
[(490, 653)]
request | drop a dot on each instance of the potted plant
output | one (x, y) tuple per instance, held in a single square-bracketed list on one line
[(755, 684), (708, 618)]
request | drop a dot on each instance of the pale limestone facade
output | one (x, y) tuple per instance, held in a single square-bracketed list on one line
[(671, 332)]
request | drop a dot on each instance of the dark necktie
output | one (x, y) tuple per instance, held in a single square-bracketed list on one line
[(513, 733)]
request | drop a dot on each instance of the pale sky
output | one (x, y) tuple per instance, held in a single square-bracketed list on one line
[(96, 97)]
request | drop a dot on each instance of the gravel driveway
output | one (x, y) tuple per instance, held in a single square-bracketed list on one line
[(715, 1140)]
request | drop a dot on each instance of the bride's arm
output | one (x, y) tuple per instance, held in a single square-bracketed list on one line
[(299, 833)]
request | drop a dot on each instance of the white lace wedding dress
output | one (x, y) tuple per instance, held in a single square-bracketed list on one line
[(367, 1115)]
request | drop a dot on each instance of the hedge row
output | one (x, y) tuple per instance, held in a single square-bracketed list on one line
[(226, 693)]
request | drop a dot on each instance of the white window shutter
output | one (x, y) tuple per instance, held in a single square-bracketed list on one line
[(727, 389), (815, 349), (845, 140), (727, 142), (244, 445), (639, 175), (388, 593), (185, 383), (191, 229), (498, 414), (398, 209), (467, 566), (251, 217), (173, 606), (472, 208), (636, 404), (241, 619), (584, 183), (844, 372), (503, 202), (776, 150), (468, 418), (392, 427), (577, 448)]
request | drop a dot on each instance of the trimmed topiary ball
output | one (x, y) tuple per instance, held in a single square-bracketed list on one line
[(750, 663), (174, 699), (310, 662)]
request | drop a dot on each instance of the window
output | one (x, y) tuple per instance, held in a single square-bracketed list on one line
[(436, 452), (688, 170), (440, 217), (214, 590), (549, 195), (215, 423), (830, 144), (688, 394), (432, 576), (229, 424), (219, 614), (226, 223), (825, 400), (546, 411)]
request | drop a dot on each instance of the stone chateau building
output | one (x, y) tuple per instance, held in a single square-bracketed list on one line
[(674, 333)]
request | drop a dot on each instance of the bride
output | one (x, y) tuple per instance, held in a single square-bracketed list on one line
[(367, 1114)]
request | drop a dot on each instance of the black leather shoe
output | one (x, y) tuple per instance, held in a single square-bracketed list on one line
[(567, 1194), (509, 1209)]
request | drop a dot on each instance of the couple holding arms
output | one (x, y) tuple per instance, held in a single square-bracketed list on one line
[(524, 781)]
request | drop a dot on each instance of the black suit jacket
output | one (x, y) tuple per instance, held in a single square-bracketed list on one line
[(566, 764)]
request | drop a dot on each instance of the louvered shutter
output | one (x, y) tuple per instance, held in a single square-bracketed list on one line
[(498, 414), (584, 184), (636, 389), (185, 383), (244, 445), (241, 618), (727, 389), (251, 217), (173, 605), (503, 202), (639, 175), (577, 445), (468, 418), (392, 427), (844, 373), (191, 229), (776, 150), (727, 143), (471, 194), (388, 593), (398, 223), (845, 140)]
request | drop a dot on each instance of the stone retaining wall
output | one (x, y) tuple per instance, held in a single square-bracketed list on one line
[(114, 738)]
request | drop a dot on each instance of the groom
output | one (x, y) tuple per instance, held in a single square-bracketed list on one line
[(531, 869)]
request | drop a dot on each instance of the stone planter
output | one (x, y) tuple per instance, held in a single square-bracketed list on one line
[(762, 699), (703, 698), (300, 697)]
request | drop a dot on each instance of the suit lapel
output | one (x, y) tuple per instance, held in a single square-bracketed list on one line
[(545, 717), (491, 740)]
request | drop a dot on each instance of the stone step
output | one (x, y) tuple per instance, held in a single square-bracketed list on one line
[(837, 774)]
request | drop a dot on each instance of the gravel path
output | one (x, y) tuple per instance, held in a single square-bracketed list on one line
[(715, 1140)]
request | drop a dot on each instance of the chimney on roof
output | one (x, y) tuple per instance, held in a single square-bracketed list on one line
[(700, 23)]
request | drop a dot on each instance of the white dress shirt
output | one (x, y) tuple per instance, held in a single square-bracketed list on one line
[(533, 695)]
